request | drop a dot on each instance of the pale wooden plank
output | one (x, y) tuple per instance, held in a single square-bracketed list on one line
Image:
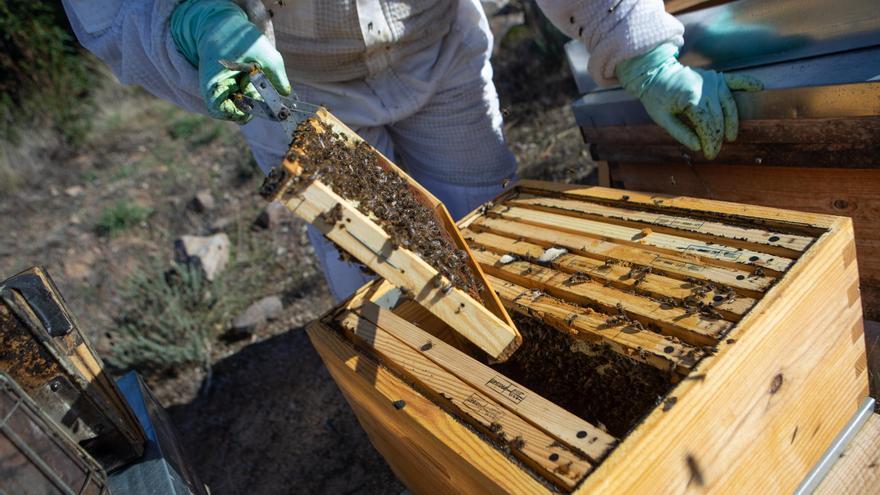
[(565, 469), (783, 244), (617, 275), (586, 325), (661, 242), (410, 311), (367, 242), (830, 191), (692, 328), (857, 471), (785, 220), (677, 266), (540, 412), (771, 399), (414, 313), (423, 442)]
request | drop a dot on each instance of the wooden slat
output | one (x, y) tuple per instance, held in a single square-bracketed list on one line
[(825, 191), (677, 266), (555, 421), (584, 324), (828, 155), (707, 252), (773, 218), (691, 328), (769, 401), (428, 448), (367, 242), (414, 313), (617, 275), (857, 471), (782, 244), (565, 469), (765, 131)]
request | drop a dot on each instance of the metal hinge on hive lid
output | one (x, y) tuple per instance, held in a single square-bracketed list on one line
[(47, 355), (36, 456)]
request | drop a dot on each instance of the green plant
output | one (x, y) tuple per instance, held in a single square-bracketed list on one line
[(121, 216), (171, 318), (166, 321), (196, 130), (44, 78)]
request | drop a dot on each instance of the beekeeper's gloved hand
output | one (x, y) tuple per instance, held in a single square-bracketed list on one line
[(207, 31), (668, 89)]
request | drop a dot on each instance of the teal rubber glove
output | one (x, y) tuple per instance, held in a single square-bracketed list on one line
[(668, 90), (207, 31)]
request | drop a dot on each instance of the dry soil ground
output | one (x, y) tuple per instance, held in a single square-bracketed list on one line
[(259, 414)]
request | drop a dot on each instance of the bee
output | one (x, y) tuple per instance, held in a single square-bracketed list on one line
[(517, 443)]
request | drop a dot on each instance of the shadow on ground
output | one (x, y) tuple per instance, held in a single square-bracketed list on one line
[(291, 431)]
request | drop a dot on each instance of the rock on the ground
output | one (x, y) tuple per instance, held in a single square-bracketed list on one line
[(267, 308), (74, 191), (272, 215), (202, 201), (221, 223), (210, 253), (78, 265)]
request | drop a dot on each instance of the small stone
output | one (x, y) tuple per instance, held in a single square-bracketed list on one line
[(78, 266), (272, 215), (221, 224), (210, 253), (202, 201), (266, 309), (74, 191)]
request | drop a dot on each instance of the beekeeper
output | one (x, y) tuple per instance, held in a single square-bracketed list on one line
[(412, 77)]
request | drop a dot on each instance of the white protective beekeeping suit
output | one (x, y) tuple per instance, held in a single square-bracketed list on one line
[(410, 76)]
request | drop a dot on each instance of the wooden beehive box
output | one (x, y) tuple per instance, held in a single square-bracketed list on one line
[(670, 344)]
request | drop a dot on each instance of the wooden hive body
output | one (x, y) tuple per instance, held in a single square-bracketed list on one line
[(716, 348)]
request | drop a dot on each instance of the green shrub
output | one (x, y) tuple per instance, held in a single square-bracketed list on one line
[(170, 319), (196, 130), (45, 79), (166, 320), (121, 216)]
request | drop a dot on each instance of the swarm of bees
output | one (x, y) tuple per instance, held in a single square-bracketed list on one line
[(622, 318), (355, 172), (333, 215), (637, 274)]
